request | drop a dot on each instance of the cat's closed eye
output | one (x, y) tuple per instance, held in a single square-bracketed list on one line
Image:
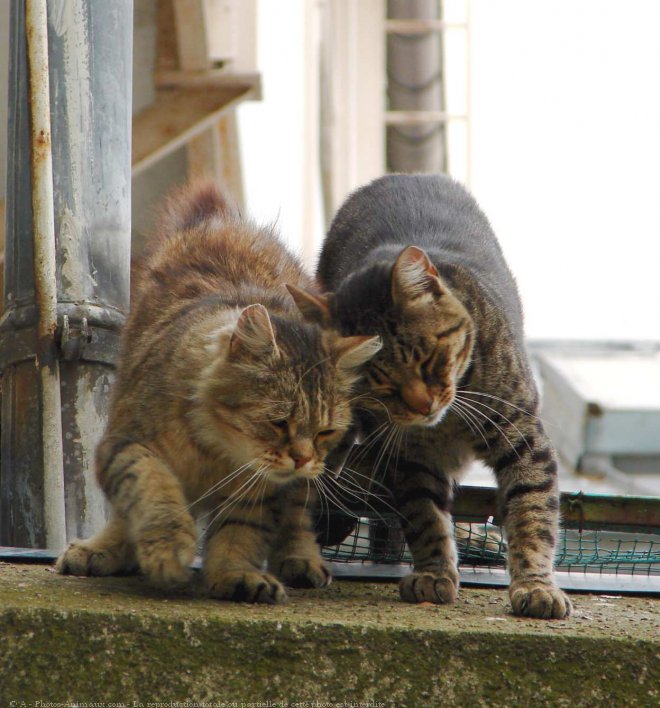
[(326, 433), (281, 426)]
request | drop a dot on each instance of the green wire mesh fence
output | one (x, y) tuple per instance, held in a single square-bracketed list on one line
[(379, 541), (601, 535)]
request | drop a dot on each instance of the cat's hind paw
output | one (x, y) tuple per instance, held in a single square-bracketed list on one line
[(247, 586), (83, 559), (430, 585), (303, 573), (539, 600)]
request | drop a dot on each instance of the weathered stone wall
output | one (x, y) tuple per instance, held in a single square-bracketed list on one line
[(77, 640)]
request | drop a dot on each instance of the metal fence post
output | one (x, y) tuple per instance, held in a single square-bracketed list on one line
[(90, 72)]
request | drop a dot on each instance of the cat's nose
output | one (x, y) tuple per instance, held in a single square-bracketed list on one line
[(301, 452), (417, 397), (299, 461)]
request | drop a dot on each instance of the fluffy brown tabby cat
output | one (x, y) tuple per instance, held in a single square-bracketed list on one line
[(411, 258), (226, 403)]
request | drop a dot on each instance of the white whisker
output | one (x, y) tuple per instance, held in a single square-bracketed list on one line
[(367, 477), (503, 400), (237, 496), (222, 483), (492, 422), (515, 427), (332, 495), (366, 445), (361, 495), (469, 418)]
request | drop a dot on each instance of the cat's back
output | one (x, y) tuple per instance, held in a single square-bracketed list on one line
[(430, 211), (202, 265), (427, 210), (203, 246), (204, 252)]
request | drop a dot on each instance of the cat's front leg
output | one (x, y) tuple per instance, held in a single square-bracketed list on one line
[(148, 498), (423, 498), (236, 550), (296, 556), (526, 473)]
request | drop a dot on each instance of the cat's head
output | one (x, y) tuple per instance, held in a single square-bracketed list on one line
[(427, 335), (278, 393)]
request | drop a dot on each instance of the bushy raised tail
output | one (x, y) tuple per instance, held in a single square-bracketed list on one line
[(190, 206), (186, 208)]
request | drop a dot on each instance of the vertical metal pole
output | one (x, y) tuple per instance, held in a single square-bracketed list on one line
[(45, 283), (90, 68), (91, 51)]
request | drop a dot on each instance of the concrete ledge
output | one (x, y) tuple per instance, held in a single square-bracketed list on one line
[(114, 640)]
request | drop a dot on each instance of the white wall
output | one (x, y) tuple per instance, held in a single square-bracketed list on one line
[(566, 156), (272, 129), (565, 152)]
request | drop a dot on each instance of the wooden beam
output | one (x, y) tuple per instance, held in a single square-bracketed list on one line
[(191, 31), (229, 156), (176, 117), (203, 154), (632, 514), (179, 78), (215, 154)]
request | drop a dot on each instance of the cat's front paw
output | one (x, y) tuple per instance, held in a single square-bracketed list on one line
[(247, 586), (541, 600), (165, 554), (439, 585), (303, 573), (80, 558)]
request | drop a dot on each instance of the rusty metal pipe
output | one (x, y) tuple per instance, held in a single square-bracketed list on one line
[(45, 266), (71, 333)]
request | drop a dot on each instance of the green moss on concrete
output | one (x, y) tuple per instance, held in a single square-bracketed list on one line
[(116, 640)]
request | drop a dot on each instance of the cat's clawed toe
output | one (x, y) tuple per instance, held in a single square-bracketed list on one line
[(440, 587), (539, 600), (83, 559), (247, 586), (304, 573)]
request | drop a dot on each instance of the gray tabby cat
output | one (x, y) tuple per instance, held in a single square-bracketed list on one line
[(411, 258)]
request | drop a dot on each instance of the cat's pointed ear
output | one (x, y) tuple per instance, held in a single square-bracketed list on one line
[(414, 277), (353, 352), (314, 308), (253, 333)]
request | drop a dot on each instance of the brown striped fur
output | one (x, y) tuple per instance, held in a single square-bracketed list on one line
[(411, 258), (225, 406)]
